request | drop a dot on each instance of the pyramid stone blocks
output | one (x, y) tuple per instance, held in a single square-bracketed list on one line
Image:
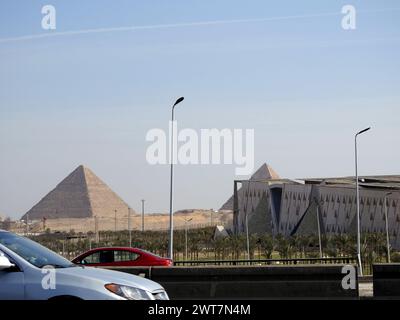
[(80, 195)]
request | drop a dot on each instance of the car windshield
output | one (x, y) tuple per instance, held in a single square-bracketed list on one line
[(33, 252)]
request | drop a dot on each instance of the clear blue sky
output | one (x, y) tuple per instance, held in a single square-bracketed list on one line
[(302, 82)]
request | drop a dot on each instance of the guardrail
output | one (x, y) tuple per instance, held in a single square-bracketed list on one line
[(301, 261), (251, 282), (386, 277)]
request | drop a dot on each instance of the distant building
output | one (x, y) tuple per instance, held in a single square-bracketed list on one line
[(281, 206), (80, 195)]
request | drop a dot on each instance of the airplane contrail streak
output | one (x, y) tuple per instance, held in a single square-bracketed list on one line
[(174, 25)]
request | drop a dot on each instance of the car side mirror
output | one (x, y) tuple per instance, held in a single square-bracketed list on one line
[(5, 263)]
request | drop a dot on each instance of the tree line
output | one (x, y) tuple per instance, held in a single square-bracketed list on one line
[(202, 245)]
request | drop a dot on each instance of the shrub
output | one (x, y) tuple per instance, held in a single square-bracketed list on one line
[(395, 257)]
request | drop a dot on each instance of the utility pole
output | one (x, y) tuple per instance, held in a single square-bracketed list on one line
[(319, 232), (96, 229), (387, 227), (27, 224), (247, 235), (143, 214), (115, 227), (186, 237), (129, 227)]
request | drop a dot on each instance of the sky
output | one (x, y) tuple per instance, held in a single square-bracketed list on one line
[(89, 91)]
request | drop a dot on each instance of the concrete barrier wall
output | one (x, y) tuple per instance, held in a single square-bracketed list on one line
[(251, 282), (386, 278)]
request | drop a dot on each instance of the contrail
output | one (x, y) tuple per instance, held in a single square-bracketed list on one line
[(157, 26), (175, 25)]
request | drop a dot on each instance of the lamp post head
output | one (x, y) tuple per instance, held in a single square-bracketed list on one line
[(178, 101), (362, 131)]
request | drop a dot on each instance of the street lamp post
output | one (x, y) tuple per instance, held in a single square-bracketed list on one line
[(186, 237), (143, 215), (129, 227), (96, 229), (27, 224), (247, 236), (358, 202), (171, 217), (387, 228), (319, 232), (247, 221), (213, 220)]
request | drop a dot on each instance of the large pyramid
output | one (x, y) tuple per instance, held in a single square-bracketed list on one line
[(80, 195), (265, 172)]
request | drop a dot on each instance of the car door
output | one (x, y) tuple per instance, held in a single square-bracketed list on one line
[(12, 285), (124, 258)]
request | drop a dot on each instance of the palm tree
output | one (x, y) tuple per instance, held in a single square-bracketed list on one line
[(267, 245), (284, 247)]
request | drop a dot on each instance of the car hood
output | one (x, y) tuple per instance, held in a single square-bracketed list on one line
[(110, 276)]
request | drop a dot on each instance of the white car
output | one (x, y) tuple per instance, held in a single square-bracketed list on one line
[(29, 271)]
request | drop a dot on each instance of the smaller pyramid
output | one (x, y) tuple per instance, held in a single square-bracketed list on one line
[(220, 232), (265, 172), (80, 195)]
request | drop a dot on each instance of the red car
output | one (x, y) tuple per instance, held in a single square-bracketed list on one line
[(120, 257)]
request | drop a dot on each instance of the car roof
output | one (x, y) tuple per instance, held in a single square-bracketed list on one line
[(137, 250), (114, 248)]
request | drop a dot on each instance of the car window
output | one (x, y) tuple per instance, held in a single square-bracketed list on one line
[(105, 256), (150, 253), (92, 258), (123, 255)]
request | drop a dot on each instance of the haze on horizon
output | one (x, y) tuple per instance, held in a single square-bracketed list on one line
[(287, 70)]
